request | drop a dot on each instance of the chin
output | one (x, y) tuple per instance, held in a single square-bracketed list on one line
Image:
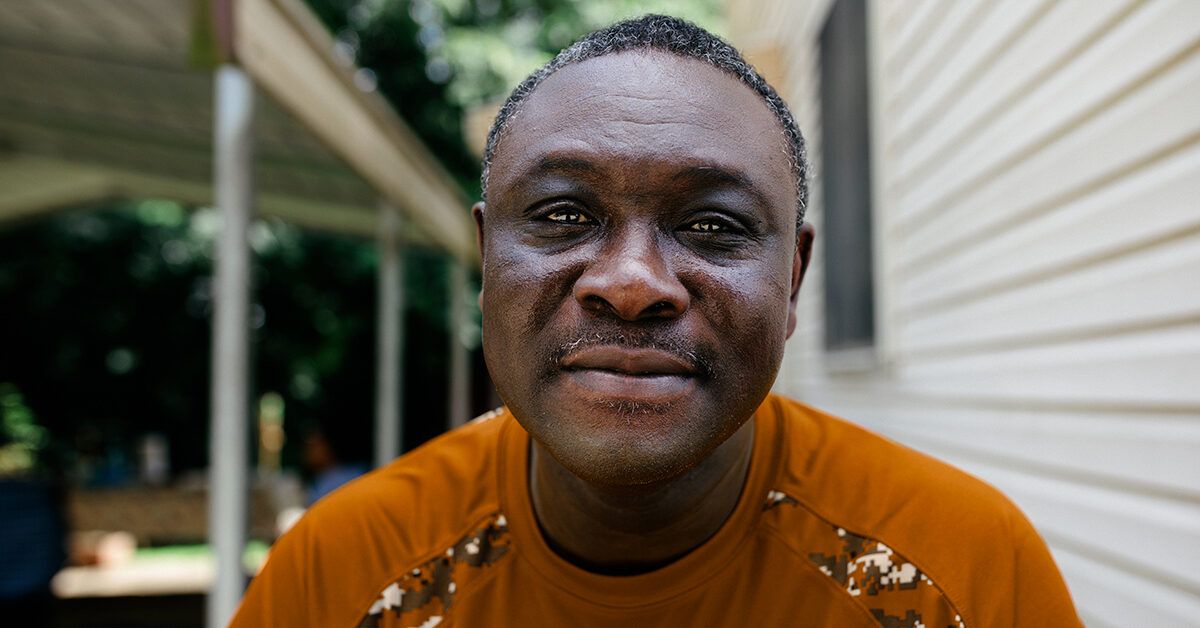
[(626, 467), (628, 443)]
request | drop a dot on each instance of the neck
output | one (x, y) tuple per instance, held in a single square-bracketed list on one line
[(624, 530)]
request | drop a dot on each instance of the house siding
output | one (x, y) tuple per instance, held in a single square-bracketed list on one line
[(1036, 186)]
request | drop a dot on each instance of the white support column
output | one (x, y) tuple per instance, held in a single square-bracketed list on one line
[(389, 369), (229, 430), (460, 374)]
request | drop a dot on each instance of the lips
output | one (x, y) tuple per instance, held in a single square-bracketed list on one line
[(635, 362), (618, 373)]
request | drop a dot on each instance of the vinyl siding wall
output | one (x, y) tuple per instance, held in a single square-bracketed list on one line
[(1036, 173)]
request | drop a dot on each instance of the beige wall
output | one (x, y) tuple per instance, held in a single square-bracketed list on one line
[(1037, 218)]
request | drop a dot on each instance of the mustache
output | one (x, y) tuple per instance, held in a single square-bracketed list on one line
[(696, 356)]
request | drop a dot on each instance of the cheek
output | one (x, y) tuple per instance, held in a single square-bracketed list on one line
[(523, 290), (749, 303)]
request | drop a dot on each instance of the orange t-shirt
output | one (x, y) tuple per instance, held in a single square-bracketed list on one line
[(836, 526)]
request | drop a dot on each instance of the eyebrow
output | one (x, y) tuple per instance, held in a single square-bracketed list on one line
[(552, 164), (714, 175)]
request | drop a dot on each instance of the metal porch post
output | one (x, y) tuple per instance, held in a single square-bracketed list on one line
[(389, 385), (228, 444)]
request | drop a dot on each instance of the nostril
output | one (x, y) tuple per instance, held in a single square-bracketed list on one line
[(595, 302)]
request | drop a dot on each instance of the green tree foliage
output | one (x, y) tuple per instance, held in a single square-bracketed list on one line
[(102, 328), (105, 333), (436, 59), (21, 438)]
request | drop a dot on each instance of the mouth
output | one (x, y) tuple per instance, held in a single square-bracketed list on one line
[(613, 373)]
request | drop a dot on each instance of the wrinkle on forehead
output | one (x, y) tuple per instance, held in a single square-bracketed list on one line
[(661, 88)]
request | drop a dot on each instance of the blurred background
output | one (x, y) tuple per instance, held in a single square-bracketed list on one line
[(1007, 274)]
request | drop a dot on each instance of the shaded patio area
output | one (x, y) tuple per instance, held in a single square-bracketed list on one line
[(246, 106)]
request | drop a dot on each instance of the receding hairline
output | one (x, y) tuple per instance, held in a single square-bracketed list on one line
[(552, 98), (681, 39)]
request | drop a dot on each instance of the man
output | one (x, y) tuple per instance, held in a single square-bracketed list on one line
[(643, 246)]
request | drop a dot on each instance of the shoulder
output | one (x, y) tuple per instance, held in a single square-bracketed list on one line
[(444, 480), (356, 541), (848, 473), (868, 501)]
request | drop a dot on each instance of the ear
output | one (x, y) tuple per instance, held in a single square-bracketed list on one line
[(477, 211), (804, 245)]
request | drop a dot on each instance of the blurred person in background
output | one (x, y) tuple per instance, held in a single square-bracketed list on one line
[(326, 459), (643, 246)]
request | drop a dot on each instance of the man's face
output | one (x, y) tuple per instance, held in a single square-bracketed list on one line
[(640, 263)]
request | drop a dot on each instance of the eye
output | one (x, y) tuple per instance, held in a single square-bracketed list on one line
[(569, 217), (708, 225)]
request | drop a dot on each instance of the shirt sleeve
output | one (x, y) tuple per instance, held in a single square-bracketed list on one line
[(1040, 595), (278, 595)]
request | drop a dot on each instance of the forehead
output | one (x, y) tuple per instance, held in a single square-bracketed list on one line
[(648, 109)]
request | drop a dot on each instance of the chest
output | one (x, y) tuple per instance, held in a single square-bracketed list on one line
[(766, 586)]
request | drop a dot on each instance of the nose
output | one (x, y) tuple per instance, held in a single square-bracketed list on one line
[(631, 280)]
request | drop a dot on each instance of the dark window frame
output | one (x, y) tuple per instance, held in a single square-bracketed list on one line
[(846, 178)]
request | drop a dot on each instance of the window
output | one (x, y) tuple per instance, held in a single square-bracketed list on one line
[(846, 179)]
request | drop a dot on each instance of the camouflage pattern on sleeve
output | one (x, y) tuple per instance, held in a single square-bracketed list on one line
[(423, 596), (893, 589)]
